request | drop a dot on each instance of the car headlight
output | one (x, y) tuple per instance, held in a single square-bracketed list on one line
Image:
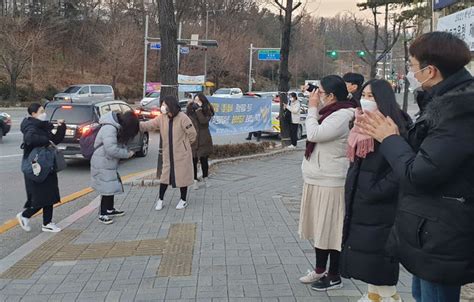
[(68, 99)]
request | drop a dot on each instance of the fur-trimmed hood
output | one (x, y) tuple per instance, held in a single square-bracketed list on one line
[(455, 103)]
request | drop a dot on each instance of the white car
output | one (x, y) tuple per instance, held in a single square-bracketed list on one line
[(149, 96), (276, 121), (228, 93)]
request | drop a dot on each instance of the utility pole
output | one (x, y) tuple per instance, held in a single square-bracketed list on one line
[(145, 56), (250, 67)]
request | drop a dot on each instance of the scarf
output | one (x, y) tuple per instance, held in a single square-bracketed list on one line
[(324, 113), (358, 144)]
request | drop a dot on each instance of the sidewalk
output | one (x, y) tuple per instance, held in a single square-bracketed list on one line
[(236, 241)]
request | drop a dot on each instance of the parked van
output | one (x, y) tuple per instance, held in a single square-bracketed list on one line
[(86, 93)]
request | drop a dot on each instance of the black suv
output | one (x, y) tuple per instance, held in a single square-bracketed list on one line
[(5, 124), (81, 117)]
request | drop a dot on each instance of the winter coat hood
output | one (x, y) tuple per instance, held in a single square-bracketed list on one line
[(110, 118)]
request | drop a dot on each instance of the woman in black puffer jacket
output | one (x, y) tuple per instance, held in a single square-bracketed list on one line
[(371, 201), (37, 132)]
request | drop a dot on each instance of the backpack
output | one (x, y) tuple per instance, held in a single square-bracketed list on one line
[(86, 142)]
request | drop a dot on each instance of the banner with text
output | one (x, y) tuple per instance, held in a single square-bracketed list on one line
[(461, 24), (240, 115)]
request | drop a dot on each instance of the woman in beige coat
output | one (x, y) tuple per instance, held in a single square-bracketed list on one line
[(177, 133)]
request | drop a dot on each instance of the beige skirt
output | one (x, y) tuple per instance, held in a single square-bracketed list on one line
[(322, 216)]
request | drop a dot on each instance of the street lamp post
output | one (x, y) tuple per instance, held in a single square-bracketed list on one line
[(207, 33)]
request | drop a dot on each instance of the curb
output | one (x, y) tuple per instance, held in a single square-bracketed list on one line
[(12, 108), (11, 223), (156, 182)]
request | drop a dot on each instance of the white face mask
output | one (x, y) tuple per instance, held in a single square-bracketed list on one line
[(368, 105), (164, 109), (414, 83), (42, 116)]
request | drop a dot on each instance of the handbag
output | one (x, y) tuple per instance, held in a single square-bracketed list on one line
[(287, 116), (59, 160), (39, 164)]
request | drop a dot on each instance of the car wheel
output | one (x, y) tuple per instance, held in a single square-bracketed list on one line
[(144, 147), (299, 133)]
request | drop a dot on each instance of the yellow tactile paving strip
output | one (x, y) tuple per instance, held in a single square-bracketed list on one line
[(176, 249)]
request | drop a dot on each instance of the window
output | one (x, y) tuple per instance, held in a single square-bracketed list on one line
[(125, 108), (70, 114), (222, 91), (104, 109), (115, 108), (72, 89), (84, 90), (107, 89), (96, 90)]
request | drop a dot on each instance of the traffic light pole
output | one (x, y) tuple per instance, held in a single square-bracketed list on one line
[(252, 49)]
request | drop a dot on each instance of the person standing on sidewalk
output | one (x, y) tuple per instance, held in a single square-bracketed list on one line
[(295, 108), (434, 226), (324, 172), (177, 134), (371, 201), (37, 132), (116, 131), (354, 82), (200, 112)]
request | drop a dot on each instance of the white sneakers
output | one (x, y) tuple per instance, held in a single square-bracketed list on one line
[(51, 227), (311, 277), (378, 298), (23, 222), (159, 205), (291, 147), (206, 183), (181, 205)]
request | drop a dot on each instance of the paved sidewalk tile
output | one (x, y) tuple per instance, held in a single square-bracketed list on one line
[(236, 241)]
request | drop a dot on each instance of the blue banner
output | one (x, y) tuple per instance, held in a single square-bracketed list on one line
[(439, 4), (240, 115)]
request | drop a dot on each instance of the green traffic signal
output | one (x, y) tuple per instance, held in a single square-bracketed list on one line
[(333, 54), (361, 53)]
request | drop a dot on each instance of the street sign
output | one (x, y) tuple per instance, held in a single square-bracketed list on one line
[(156, 45), (269, 55), (184, 50)]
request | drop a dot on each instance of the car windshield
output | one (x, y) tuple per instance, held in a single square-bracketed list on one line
[(72, 89), (70, 114), (153, 94), (222, 91), (155, 103)]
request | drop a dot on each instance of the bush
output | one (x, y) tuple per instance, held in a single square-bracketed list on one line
[(226, 151)]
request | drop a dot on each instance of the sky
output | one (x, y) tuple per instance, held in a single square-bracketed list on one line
[(329, 8)]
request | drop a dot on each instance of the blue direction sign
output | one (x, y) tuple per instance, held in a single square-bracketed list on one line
[(440, 4), (156, 45), (269, 55), (184, 50)]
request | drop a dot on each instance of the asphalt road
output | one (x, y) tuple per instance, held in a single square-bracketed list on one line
[(73, 179)]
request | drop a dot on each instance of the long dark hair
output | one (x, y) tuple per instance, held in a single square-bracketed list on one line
[(129, 126), (207, 108), (387, 103), (335, 84), (172, 103)]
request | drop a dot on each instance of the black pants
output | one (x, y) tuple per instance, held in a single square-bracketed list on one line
[(204, 165), (294, 133), (47, 213), (106, 203), (322, 260), (163, 187)]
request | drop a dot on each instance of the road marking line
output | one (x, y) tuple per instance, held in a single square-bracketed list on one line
[(14, 222), (11, 155)]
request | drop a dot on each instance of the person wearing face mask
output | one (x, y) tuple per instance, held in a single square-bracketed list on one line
[(324, 170), (434, 228), (294, 107), (177, 133), (371, 201), (37, 132), (200, 111)]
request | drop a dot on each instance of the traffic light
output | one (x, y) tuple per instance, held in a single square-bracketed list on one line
[(333, 54), (361, 53)]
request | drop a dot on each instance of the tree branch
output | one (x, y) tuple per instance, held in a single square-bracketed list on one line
[(280, 5)]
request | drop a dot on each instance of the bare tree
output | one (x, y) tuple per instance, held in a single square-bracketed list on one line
[(16, 50), (284, 85)]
